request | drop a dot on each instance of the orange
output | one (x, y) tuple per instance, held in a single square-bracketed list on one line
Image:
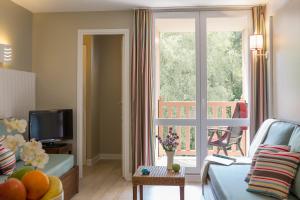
[(36, 184)]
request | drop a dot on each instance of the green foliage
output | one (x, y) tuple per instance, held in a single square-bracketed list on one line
[(224, 66), (178, 71), (178, 66)]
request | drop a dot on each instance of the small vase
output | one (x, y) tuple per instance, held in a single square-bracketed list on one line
[(170, 156)]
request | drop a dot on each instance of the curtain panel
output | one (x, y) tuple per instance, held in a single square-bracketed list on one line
[(259, 73), (141, 90)]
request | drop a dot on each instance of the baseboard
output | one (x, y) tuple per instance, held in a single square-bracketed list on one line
[(128, 176), (110, 156), (92, 161)]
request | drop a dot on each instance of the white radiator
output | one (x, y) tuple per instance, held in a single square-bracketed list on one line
[(17, 93)]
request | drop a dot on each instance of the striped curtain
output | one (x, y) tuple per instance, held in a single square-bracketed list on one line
[(259, 71), (141, 90)]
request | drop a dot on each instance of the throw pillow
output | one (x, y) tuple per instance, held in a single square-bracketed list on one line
[(295, 140), (274, 173), (295, 147), (7, 160), (279, 133), (4, 132), (264, 147)]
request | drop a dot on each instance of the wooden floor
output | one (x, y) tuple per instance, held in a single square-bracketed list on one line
[(104, 182)]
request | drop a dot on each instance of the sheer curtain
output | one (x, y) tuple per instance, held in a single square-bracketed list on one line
[(141, 90)]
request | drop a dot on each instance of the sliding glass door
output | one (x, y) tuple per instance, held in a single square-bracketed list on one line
[(226, 91), (200, 76), (176, 90)]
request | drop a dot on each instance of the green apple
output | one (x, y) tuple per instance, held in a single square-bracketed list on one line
[(21, 172), (176, 167)]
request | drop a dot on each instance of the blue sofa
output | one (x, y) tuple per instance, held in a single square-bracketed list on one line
[(61, 165), (58, 165), (227, 182)]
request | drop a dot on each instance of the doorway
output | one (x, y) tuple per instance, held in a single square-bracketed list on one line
[(103, 97)]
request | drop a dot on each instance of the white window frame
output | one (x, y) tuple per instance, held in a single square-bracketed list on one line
[(181, 122), (205, 122), (201, 122)]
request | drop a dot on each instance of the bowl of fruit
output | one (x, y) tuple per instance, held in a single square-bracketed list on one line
[(31, 184), (59, 197)]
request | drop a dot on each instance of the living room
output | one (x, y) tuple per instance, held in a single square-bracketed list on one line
[(192, 96)]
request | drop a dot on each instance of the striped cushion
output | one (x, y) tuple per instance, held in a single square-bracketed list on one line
[(273, 173), (263, 147), (7, 160)]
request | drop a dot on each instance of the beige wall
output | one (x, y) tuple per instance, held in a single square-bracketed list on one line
[(55, 52), (16, 30), (286, 58), (103, 73), (108, 56), (95, 102)]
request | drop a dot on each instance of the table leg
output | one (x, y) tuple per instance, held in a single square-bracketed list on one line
[(181, 192), (141, 192), (134, 192)]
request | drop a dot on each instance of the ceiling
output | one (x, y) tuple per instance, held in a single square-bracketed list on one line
[(37, 6)]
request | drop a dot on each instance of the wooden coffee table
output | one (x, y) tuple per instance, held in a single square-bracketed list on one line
[(158, 176)]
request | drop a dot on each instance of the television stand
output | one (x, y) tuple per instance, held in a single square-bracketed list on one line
[(53, 144), (57, 148)]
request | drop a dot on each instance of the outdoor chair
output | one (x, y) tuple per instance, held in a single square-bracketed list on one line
[(229, 136)]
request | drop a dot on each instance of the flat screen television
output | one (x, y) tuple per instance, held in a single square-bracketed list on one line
[(51, 125)]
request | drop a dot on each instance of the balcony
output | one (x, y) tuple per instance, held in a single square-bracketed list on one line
[(186, 109)]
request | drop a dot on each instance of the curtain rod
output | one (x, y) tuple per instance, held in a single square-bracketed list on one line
[(201, 8)]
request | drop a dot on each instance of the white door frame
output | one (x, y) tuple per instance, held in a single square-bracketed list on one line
[(182, 122), (201, 122), (125, 96), (205, 122)]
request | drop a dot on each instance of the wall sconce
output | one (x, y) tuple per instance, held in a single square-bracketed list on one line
[(5, 54), (257, 44)]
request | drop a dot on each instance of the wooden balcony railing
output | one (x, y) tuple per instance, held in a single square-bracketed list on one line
[(187, 109)]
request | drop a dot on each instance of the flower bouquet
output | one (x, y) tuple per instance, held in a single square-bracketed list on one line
[(31, 152), (169, 144), (27, 182)]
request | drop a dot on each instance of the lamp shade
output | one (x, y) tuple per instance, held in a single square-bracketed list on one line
[(5, 54), (256, 42)]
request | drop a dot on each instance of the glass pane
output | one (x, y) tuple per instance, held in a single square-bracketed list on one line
[(175, 68), (230, 140), (226, 69), (186, 150)]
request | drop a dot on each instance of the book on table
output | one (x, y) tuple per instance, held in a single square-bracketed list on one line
[(219, 160)]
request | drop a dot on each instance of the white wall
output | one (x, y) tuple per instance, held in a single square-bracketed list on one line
[(286, 58), (17, 89)]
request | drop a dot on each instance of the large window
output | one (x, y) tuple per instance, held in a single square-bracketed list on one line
[(227, 83), (201, 83), (176, 91)]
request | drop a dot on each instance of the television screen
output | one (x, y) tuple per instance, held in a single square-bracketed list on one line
[(48, 125)]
